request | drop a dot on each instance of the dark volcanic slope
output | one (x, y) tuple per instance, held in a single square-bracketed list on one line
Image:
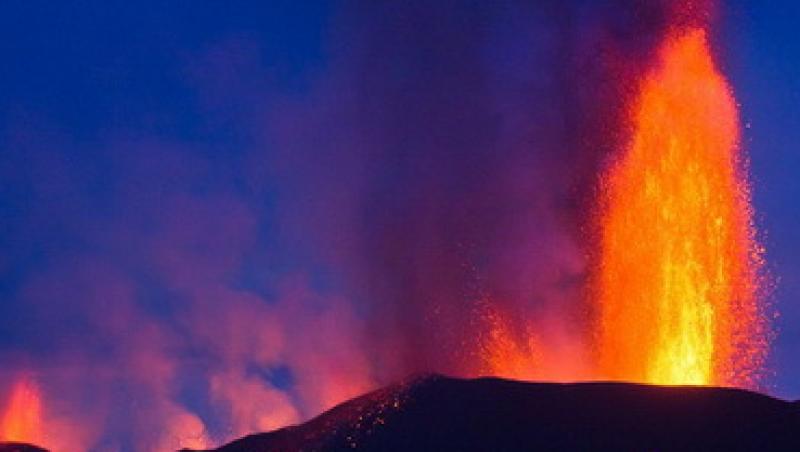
[(438, 413), (19, 447)]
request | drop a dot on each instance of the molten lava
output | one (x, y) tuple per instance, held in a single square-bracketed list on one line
[(679, 264), (21, 419), (508, 353)]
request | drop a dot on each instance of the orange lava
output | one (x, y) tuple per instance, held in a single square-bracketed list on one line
[(506, 354), (677, 284), (21, 418)]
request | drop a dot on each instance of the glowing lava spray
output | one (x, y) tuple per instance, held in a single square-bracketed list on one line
[(678, 278), (21, 420)]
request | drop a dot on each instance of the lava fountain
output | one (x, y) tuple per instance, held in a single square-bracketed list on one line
[(679, 264), (21, 419)]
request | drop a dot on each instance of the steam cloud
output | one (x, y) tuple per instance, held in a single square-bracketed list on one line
[(440, 167)]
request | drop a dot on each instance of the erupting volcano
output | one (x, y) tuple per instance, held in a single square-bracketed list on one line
[(678, 286), (409, 225)]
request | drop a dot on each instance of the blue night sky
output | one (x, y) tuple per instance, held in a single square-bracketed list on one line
[(762, 68), (187, 194)]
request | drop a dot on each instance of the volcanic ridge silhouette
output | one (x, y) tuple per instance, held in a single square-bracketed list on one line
[(436, 413)]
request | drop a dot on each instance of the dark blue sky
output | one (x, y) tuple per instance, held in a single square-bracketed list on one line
[(762, 66), (157, 160)]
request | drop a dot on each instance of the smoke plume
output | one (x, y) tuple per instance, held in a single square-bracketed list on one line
[(419, 205)]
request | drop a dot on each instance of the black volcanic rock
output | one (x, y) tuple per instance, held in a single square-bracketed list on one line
[(438, 414), (19, 447)]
